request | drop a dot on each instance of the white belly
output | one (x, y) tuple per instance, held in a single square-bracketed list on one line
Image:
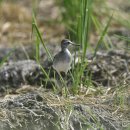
[(63, 65)]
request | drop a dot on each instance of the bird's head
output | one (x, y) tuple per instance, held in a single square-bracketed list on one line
[(65, 43)]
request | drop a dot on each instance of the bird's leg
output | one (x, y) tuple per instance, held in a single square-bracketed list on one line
[(59, 78)]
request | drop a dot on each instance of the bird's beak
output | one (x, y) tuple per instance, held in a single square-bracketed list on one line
[(72, 43)]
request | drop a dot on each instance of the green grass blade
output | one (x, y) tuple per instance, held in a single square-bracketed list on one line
[(102, 36), (34, 26), (123, 37), (5, 58), (108, 44), (83, 26), (37, 48)]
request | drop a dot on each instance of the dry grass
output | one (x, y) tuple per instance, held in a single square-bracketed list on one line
[(102, 105), (16, 22)]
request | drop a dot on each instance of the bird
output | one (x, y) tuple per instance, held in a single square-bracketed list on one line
[(62, 60)]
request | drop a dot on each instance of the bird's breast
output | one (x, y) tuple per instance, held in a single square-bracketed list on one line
[(62, 62)]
